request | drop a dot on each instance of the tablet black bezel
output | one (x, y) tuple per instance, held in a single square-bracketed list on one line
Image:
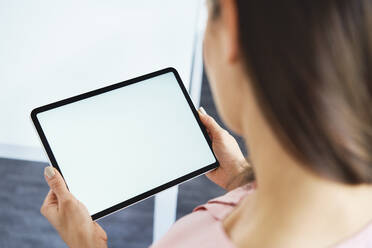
[(110, 88)]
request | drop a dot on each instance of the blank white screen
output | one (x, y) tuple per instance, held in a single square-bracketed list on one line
[(122, 143)]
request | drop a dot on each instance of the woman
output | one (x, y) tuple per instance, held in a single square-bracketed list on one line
[(294, 78)]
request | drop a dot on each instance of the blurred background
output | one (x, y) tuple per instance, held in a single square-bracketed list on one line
[(51, 50)]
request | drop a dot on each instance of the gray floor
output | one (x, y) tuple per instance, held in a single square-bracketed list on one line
[(22, 190)]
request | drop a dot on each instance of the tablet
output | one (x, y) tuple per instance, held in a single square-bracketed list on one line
[(120, 144)]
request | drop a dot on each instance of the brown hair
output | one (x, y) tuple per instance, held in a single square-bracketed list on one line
[(311, 64)]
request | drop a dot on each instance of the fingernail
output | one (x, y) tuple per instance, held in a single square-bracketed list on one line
[(202, 110), (49, 171)]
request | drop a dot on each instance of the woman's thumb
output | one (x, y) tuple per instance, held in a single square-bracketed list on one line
[(211, 125), (55, 181)]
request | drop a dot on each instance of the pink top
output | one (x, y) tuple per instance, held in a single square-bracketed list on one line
[(203, 227)]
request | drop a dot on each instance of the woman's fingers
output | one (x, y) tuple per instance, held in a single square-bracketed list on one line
[(49, 207), (69, 216), (50, 199), (212, 126), (101, 231), (58, 191), (55, 182)]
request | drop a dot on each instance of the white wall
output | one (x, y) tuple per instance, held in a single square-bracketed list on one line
[(52, 49)]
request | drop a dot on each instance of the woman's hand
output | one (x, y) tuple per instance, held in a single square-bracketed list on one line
[(231, 159), (69, 216)]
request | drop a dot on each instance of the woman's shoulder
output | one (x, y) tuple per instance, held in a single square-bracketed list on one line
[(220, 206), (363, 238), (203, 227)]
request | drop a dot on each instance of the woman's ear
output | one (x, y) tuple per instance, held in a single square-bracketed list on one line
[(229, 21)]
